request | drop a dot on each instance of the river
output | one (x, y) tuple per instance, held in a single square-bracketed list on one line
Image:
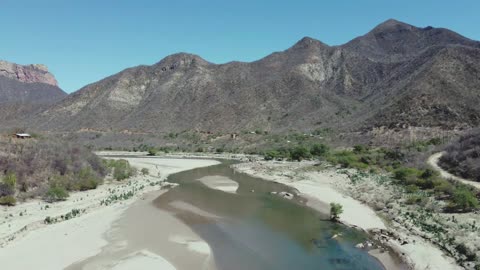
[(255, 229)]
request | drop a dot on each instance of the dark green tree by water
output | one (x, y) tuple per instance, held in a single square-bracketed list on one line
[(336, 210)]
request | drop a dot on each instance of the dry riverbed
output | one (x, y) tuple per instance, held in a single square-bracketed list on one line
[(78, 226)]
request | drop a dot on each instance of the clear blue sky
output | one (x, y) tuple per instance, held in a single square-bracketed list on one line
[(84, 41)]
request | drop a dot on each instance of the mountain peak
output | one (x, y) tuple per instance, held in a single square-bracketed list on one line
[(35, 73), (308, 42), (393, 40), (182, 59), (392, 23)]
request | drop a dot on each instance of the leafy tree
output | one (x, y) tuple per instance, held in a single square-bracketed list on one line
[(336, 210)]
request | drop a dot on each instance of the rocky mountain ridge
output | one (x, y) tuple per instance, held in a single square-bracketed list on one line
[(396, 76)]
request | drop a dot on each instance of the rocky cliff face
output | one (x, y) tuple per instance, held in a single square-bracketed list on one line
[(24, 91), (36, 73)]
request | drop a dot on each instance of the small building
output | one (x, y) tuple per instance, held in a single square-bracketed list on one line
[(23, 136)]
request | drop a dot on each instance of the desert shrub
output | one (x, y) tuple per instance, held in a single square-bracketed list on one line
[(152, 151), (8, 200), (394, 154), (145, 171), (347, 159), (360, 149), (86, 179), (412, 188), (429, 174), (445, 187), (7, 185), (462, 249), (10, 180), (414, 199), (121, 169), (300, 153), (48, 220), (464, 200), (406, 174), (55, 194), (6, 190), (319, 150), (462, 157), (272, 154)]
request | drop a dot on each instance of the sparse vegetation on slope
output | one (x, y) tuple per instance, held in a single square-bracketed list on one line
[(462, 157)]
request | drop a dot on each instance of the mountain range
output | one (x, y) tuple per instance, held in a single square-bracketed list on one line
[(397, 76)]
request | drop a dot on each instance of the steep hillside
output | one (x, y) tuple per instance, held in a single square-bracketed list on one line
[(397, 76)]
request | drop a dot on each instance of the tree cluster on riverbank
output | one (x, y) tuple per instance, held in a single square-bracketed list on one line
[(51, 169)]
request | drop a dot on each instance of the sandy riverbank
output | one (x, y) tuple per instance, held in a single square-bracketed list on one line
[(220, 183), (56, 246), (322, 187)]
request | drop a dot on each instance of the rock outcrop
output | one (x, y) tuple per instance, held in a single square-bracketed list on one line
[(36, 73)]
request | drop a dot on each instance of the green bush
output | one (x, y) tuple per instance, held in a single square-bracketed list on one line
[(55, 194), (444, 186), (464, 200), (429, 173), (10, 180), (272, 154), (319, 150), (416, 199), (86, 180), (152, 151), (347, 159), (8, 200), (300, 153), (412, 189), (121, 169), (404, 173), (360, 149), (145, 171)]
